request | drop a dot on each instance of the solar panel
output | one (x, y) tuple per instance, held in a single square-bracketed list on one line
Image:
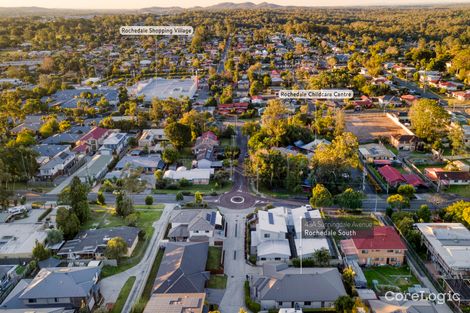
[(213, 218), (208, 217), (271, 218)]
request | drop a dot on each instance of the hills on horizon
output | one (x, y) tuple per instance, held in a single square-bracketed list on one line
[(33, 10)]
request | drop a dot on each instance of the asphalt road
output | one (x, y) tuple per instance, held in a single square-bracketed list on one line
[(221, 66)]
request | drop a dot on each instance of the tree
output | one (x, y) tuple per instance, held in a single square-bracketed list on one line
[(54, 236), (405, 225), (398, 201), (321, 197), (457, 140), (348, 278), (124, 205), (458, 212), (40, 252), (322, 257), (116, 248), (332, 163), (179, 196), (100, 198), (149, 200), (406, 191), (170, 155), (424, 213), (198, 198), (25, 138), (221, 177), (344, 304), (274, 121), (178, 134), (76, 195), (131, 219), (428, 119), (67, 222), (350, 199)]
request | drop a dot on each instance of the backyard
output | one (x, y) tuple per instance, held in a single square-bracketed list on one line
[(400, 277)]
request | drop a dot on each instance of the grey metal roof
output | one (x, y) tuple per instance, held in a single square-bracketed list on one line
[(50, 150), (315, 284), (90, 240), (182, 269), (179, 231), (62, 282)]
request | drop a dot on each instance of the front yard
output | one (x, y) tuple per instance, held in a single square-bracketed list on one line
[(214, 258)]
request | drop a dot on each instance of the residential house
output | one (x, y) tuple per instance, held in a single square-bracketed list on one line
[(269, 240), (58, 165), (373, 152), (152, 139), (447, 178), (92, 140), (389, 100), (48, 152), (197, 176), (206, 158), (394, 178), (182, 269), (206, 141), (114, 143), (197, 225), (461, 95), (148, 164), (448, 248), (306, 247), (381, 245), (406, 306), (405, 142), (176, 303), (57, 287), (91, 244), (281, 286)]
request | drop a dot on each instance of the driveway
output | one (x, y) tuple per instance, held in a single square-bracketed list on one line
[(235, 265)]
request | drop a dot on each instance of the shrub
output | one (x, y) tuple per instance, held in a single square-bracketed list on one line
[(44, 214), (250, 304), (149, 200)]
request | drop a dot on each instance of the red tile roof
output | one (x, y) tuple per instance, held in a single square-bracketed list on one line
[(391, 175), (95, 133), (384, 237), (413, 180)]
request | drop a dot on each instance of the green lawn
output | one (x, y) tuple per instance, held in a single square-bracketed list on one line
[(149, 207), (123, 294), (206, 189), (217, 282), (213, 258), (463, 191), (389, 275), (280, 194)]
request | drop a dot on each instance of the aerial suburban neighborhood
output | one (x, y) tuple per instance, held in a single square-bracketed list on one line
[(234, 157)]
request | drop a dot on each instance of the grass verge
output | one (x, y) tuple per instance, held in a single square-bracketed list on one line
[(123, 295), (217, 282)]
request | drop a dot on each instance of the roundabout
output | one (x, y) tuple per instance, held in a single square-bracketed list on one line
[(237, 199)]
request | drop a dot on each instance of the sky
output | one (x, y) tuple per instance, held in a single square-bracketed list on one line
[(137, 4)]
